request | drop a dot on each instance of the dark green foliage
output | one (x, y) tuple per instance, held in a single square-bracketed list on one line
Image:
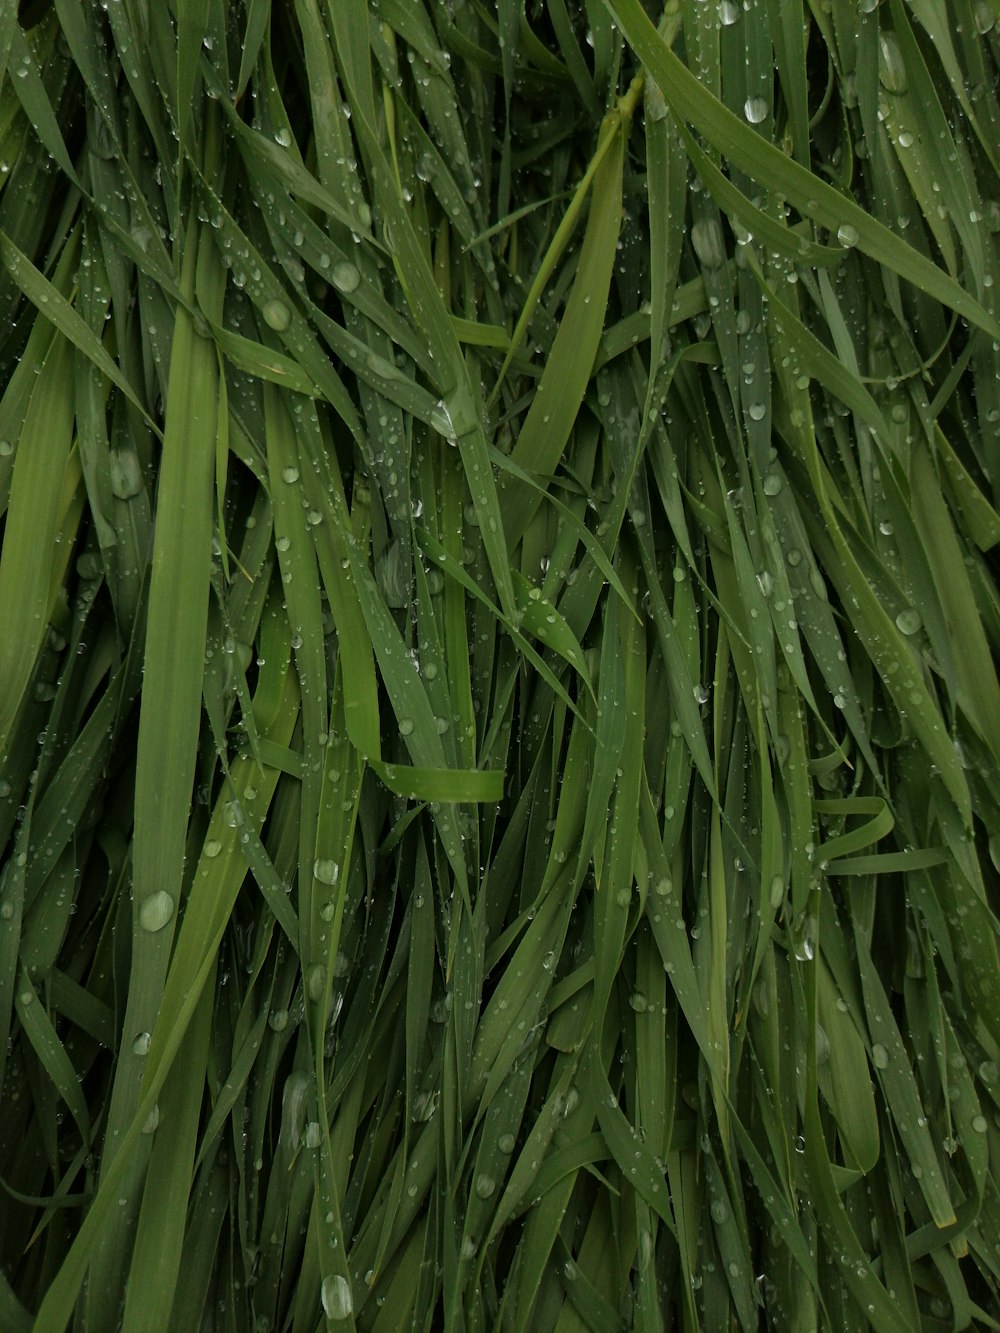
[(499, 719)]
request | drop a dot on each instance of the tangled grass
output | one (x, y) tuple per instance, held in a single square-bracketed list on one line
[(499, 722)]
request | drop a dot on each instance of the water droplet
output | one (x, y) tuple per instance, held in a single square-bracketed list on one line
[(277, 316), (773, 483), (506, 1143), (880, 1056), (335, 1293), (891, 65), (979, 1124), (777, 892), (709, 246), (155, 910), (755, 109), (424, 1106), (141, 1043), (656, 104), (803, 939), (638, 1002), (757, 411), (406, 726), (126, 474), (212, 847), (485, 1185), (278, 1020), (327, 872), (719, 1211), (152, 1120), (728, 13), (847, 234), (441, 421), (346, 277), (290, 475), (908, 621), (316, 981), (283, 137), (456, 414)]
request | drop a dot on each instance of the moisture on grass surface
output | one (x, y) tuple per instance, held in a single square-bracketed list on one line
[(499, 718)]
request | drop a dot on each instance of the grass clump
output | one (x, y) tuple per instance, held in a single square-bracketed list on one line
[(499, 723)]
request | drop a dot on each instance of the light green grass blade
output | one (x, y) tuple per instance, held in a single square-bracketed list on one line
[(167, 731), (546, 430)]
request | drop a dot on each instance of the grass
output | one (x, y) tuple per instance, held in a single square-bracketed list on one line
[(499, 717)]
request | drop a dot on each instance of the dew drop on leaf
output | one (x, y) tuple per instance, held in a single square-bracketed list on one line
[(346, 277), (326, 871), (155, 910), (755, 109), (336, 1296), (277, 316)]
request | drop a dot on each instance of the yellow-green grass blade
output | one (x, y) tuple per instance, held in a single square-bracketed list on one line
[(56, 307), (34, 98), (546, 430), (173, 1124), (169, 720), (560, 241), (850, 1092)]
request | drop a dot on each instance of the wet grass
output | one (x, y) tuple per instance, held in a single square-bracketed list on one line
[(499, 719)]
